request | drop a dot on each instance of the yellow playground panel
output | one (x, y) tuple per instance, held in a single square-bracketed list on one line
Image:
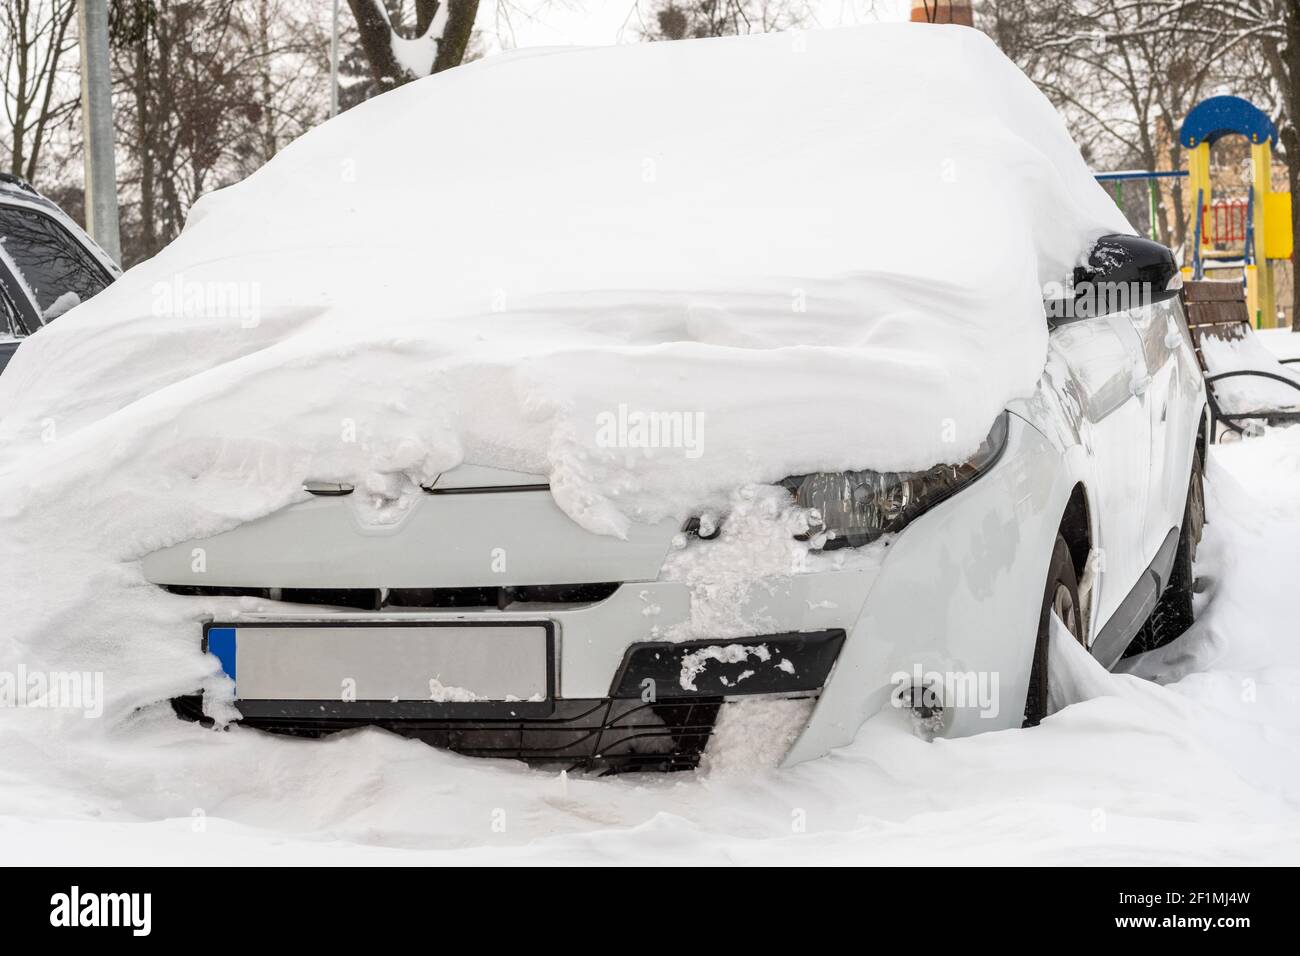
[(1266, 236)]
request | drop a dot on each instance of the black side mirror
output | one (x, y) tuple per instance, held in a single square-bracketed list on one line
[(1123, 272)]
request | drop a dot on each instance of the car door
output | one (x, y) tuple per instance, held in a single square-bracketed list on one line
[(1172, 407), (1107, 371), (11, 329), (17, 313)]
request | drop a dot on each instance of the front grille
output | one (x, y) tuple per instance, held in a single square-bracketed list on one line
[(375, 599), (612, 736), (499, 597), (361, 599)]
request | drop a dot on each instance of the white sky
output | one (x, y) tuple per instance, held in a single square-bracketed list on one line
[(522, 23)]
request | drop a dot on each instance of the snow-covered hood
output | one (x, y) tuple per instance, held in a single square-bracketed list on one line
[(813, 251)]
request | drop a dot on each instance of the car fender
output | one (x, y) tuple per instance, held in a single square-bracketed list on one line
[(957, 596)]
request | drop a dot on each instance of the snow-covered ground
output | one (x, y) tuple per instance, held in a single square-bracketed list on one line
[(1201, 766), (1281, 342)]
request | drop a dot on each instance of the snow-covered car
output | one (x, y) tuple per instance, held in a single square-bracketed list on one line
[(707, 398), (47, 264), (1092, 486)]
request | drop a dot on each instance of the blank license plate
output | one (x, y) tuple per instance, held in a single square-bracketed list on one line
[(455, 664)]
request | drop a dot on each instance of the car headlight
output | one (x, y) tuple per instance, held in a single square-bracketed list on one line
[(853, 508)]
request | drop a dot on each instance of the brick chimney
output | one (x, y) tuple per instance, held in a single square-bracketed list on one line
[(942, 11)]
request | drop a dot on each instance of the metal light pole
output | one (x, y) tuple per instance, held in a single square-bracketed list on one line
[(97, 126), (334, 63)]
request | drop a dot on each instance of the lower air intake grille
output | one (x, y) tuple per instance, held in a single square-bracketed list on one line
[(610, 735)]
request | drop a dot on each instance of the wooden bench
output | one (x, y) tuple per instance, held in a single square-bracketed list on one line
[(1217, 310)]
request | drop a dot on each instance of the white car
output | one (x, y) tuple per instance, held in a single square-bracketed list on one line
[(1084, 502), (377, 478)]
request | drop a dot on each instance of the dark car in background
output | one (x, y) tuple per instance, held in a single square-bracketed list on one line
[(47, 264)]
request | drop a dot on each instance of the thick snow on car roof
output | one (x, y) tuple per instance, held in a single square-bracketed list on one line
[(827, 247)]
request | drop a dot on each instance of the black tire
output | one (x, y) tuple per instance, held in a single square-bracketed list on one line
[(1062, 593), (1173, 614)]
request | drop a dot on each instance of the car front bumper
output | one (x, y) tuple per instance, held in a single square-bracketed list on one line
[(658, 712)]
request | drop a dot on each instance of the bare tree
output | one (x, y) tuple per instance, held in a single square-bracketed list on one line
[(1124, 74), (291, 62), (207, 92), (396, 54), (36, 43), (686, 19)]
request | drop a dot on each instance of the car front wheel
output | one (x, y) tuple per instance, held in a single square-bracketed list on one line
[(1061, 597)]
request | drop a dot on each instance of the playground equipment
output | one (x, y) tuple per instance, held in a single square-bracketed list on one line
[(1256, 230), (1262, 223)]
